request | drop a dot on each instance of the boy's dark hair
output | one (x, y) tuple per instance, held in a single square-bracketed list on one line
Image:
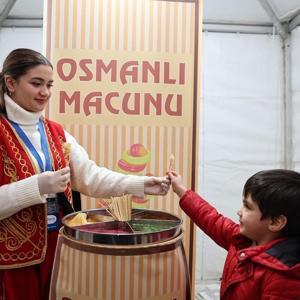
[(277, 192)]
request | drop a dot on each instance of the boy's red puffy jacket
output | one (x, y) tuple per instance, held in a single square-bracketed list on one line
[(268, 272)]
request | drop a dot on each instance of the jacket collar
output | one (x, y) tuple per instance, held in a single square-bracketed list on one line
[(287, 251), (282, 254)]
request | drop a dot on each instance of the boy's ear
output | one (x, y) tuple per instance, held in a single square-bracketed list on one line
[(277, 223)]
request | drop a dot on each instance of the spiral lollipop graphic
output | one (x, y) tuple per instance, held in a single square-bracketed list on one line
[(134, 161)]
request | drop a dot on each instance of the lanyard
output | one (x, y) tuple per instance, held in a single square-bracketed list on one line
[(31, 148)]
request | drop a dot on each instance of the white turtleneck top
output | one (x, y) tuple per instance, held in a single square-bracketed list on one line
[(86, 176)]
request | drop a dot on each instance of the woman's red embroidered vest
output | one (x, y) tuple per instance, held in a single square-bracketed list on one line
[(23, 236)]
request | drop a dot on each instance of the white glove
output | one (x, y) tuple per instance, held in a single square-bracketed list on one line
[(157, 185), (52, 182)]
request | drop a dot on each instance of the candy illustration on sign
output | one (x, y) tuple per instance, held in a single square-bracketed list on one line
[(134, 161)]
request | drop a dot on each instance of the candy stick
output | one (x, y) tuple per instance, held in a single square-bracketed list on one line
[(172, 162), (66, 147), (119, 208)]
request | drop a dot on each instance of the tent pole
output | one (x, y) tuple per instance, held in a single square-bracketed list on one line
[(287, 105), (281, 28), (7, 8), (294, 23), (287, 125)]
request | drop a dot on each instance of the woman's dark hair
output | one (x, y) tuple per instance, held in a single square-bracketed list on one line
[(277, 192), (18, 63)]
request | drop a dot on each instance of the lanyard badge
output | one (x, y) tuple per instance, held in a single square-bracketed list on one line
[(53, 214)]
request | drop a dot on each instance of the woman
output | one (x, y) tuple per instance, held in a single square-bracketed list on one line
[(35, 170)]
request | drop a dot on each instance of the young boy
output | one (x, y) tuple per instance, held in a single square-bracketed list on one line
[(263, 260)]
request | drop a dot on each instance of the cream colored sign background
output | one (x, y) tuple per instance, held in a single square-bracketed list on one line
[(144, 30)]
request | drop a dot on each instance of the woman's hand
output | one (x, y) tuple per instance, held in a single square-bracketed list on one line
[(157, 185), (52, 182)]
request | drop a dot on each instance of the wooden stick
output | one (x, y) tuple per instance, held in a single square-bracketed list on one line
[(120, 208), (66, 147), (172, 162)]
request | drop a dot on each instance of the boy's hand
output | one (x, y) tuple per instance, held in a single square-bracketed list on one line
[(177, 184)]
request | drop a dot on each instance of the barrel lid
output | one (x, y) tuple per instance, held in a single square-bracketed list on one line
[(146, 226)]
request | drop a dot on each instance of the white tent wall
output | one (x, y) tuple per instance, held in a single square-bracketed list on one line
[(12, 38), (241, 125)]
